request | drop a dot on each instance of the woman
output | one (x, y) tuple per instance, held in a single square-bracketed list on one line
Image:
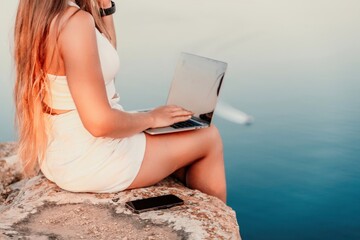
[(71, 125)]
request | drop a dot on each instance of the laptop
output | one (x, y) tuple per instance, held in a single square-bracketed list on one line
[(195, 87)]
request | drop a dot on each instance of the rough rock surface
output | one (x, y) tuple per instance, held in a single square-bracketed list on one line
[(39, 209), (8, 171)]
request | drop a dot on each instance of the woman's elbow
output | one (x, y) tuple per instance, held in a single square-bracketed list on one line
[(98, 132), (98, 128)]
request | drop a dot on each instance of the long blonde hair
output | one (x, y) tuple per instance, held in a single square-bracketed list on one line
[(31, 36)]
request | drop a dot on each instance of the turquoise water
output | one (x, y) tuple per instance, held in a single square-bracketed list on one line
[(294, 66)]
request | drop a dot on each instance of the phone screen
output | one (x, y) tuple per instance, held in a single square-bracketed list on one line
[(152, 203)]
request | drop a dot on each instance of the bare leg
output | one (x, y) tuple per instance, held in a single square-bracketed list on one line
[(200, 150), (180, 174)]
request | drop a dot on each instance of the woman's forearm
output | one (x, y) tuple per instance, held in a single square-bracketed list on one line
[(120, 124)]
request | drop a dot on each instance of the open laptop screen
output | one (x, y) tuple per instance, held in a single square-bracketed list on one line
[(196, 85)]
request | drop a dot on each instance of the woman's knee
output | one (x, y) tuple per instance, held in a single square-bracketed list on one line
[(215, 138)]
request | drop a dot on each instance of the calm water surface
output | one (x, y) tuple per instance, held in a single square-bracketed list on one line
[(294, 65)]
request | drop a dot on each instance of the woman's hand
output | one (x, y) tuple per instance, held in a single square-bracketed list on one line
[(166, 115), (104, 3)]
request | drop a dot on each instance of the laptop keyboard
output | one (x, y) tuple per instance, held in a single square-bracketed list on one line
[(188, 123)]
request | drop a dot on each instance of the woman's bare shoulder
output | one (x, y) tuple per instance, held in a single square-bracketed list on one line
[(72, 19), (79, 29), (76, 20)]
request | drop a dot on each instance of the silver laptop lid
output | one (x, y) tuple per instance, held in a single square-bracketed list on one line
[(196, 85)]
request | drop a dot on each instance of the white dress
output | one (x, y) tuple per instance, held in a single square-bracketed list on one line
[(77, 161)]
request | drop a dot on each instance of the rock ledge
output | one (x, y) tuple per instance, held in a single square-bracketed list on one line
[(39, 209)]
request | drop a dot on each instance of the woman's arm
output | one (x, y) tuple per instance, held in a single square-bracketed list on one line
[(108, 21), (78, 48)]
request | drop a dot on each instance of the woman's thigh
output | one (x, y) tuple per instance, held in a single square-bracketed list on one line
[(166, 153)]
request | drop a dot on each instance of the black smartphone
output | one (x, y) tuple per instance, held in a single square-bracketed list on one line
[(153, 203)]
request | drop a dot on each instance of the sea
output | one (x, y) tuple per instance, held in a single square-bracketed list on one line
[(294, 66)]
